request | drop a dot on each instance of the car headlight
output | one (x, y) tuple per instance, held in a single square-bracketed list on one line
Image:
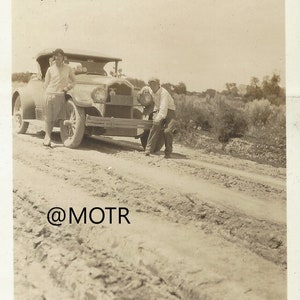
[(99, 95)]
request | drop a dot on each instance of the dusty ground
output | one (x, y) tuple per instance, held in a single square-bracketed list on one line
[(203, 225)]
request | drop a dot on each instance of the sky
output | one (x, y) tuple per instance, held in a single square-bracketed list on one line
[(203, 43)]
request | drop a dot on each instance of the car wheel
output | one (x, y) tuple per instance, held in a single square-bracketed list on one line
[(72, 129), (19, 126)]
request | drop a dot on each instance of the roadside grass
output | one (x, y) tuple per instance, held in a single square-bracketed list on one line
[(222, 121)]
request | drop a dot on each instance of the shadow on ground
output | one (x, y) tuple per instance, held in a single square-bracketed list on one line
[(102, 144)]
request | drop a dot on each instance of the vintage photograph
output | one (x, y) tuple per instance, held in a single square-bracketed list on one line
[(149, 149)]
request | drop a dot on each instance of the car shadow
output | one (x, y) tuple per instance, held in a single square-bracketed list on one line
[(39, 134), (109, 145), (55, 138), (103, 144)]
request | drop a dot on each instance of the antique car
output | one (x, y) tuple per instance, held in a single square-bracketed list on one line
[(97, 105)]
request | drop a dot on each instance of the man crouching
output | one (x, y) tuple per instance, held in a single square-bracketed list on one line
[(163, 117)]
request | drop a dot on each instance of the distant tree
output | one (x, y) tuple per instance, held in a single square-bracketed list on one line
[(169, 87), (232, 89), (254, 82), (272, 90), (242, 88), (136, 82), (254, 90), (268, 89), (270, 86), (180, 88), (210, 93)]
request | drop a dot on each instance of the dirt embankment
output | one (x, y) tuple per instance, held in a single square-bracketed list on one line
[(203, 225)]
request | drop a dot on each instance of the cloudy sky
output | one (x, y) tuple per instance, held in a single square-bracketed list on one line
[(204, 43)]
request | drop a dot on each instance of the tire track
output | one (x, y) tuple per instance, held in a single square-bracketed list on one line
[(108, 178)]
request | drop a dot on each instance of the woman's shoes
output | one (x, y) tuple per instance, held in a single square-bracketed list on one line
[(47, 142)]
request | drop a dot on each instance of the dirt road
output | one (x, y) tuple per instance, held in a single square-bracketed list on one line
[(202, 226)]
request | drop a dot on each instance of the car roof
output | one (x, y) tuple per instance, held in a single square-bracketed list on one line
[(76, 53)]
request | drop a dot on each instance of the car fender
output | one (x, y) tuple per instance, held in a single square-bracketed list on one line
[(81, 102), (28, 106), (81, 98)]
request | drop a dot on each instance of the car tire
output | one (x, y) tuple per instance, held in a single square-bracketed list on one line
[(72, 129), (19, 125)]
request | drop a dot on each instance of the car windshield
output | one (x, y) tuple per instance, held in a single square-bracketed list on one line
[(80, 65), (88, 67)]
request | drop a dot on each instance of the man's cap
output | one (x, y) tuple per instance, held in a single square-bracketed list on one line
[(154, 79)]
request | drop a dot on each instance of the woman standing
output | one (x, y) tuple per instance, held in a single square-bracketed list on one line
[(59, 79)]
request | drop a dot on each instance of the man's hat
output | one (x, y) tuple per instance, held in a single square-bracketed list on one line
[(154, 79)]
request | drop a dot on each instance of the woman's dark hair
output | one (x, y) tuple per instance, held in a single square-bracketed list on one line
[(58, 51)]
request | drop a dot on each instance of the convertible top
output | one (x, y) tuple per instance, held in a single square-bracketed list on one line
[(78, 54), (75, 54)]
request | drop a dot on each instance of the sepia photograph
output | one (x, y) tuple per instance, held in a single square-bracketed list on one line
[(149, 152)]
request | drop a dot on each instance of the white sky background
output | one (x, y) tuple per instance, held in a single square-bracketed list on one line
[(204, 43)]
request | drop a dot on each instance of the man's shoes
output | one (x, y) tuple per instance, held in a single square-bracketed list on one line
[(167, 155), (147, 153)]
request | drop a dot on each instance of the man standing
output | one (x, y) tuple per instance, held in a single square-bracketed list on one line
[(163, 118), (58, 80)]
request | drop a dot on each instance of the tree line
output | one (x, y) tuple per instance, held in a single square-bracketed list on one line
[(269, 88)]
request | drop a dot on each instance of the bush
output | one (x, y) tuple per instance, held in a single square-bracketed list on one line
[(192, 112), (258, 112), (277, 100), (185, 110), (259, 120), (278, 116), (214, 114), (229, 121), (272, 132)]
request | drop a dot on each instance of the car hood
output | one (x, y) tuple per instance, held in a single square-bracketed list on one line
[(98, 79)]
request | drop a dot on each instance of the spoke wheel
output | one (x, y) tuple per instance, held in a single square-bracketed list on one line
[(19, 126), (72, 129)]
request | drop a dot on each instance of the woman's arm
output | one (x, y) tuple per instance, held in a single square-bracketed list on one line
[(72, 80), (47, 79)]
